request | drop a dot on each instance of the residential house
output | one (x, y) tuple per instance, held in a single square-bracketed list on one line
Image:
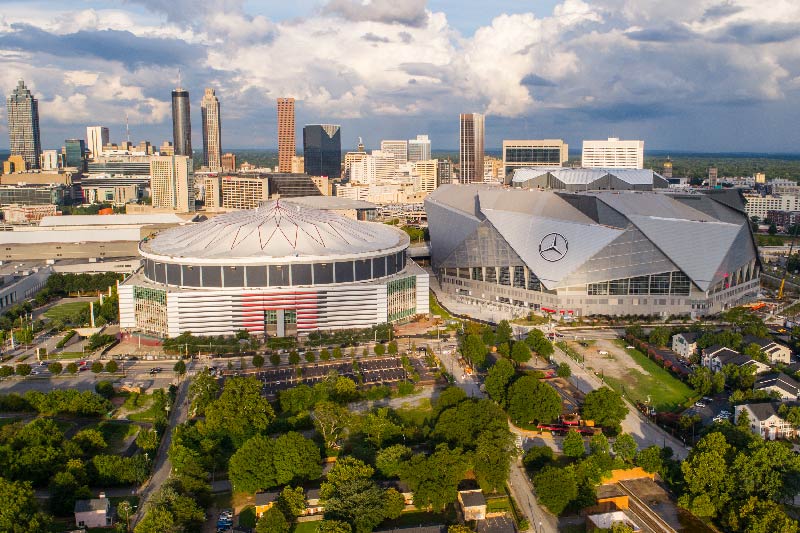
[(94, 513), (775, 352), (605, 521), (716, 357), (685, 344), (473, 504), (313, 505), (787, 387), (265, 501), (765, 421)]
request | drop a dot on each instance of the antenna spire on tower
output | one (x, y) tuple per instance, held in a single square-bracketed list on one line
[(127, 129), (179, 78)]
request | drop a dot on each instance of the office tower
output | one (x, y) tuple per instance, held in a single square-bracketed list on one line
[(373, 168), (419, 149), (172, 183), (181, 123), (667, 172), (398, 148), (96, 138), (613, 153), (471, 147), (351, 158), (425, 175), (533, 153), (49, 160), (712, 177), (360, 145), (298, 165), (322, 150), (212, 138), (287, 148), (229, 162), (75, 154), (444, 171), (23, 125), (166, 149)]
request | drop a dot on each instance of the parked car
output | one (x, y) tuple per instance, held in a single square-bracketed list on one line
[(699, 403)]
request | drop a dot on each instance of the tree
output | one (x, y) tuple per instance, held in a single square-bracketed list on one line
[(650, 459), (461, 424), (156, 520), (498, 379), (563, 370), (72, 368), (55, 368), (202, 392), (331, 421), (292, 501), (605, 407), (659, 336), (7, 370), (530, 400), (247, 517), (556, 488), (379, 349), (598, 444), (272, 521), (389, 461), (503, 349), (23, 369), (105, 389), (334, 526), (753, 351), (20, 510), (537, 457), (310, 356), (625, 447), (337, 353), (258, 360), (492, 458), (124, 512), (760, 516), (450, 397), (394, 503), (325, 355), (297, 399), (294, 357), (392, 348), (718, 382), (773, 229), (112, 367), (434, 478), (458, 528), (707, 477), (251, 468), (378, 428), (147, 440), (539, 343), (296, 459), (275, 358), (521, 353), (350, 495), (503, 332), (97, 367), (64, 490), (474, 350), (240, 411), (573, 445)]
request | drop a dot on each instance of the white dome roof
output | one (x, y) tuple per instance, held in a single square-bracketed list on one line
[(277, 230)]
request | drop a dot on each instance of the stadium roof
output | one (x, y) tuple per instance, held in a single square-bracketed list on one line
[(276, 230), (331, 202), (586, 177)]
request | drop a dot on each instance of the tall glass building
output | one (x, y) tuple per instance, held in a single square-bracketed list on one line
[(75, 153), (322, 150), (23, 125), (209, 109), (181, 122)]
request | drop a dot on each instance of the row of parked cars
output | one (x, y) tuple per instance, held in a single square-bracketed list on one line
[(225, 520)]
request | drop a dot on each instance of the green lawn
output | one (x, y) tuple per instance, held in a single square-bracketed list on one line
[(417, 415), (498, 505), (66, 355), (115, 433), (306, 527), (531, 320), (66, 311), (666, 391), (437, 309)]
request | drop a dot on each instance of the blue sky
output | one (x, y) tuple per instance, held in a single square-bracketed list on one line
[(706, 75)]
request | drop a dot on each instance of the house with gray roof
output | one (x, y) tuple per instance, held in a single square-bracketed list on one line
[(765, 421), (96, 512), (788, 388)]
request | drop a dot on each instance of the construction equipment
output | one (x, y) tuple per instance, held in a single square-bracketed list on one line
[(786, 266)]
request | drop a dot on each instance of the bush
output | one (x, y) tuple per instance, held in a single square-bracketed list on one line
[(564, 371), (63, 342), (105, 389), (55, 368), (538, 457), (275, 358), (72, 368), (23, 369), (111, 367), (97, 367), (258, 360), (6, 371), (404, 388)]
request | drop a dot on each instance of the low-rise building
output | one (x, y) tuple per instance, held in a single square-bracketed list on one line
[(775, 352), (473, 504), (264, 501), (96, 512), (765, 421), (605, 521), (685, 344), (28, 214), (778, 382), (715, 358)]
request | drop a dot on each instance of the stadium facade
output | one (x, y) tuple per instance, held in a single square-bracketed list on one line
[(281, 269), (602, 252)]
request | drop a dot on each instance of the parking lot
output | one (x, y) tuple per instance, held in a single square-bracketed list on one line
[(371, 371), (710, 410)]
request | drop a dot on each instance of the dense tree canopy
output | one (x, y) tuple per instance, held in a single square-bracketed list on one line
[(434, 478), (605, 407), (531, 400), (240, 411), (263, 462)]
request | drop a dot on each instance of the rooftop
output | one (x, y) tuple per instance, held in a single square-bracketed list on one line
[(762, 411), (95, 504), (111, 220), (472, 498), (780, 381)]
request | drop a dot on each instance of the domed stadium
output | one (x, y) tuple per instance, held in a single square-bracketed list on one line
[(281, 269)]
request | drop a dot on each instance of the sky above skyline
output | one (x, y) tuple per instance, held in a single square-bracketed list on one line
[(706, 75)]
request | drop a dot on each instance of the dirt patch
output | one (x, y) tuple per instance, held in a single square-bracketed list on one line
[(615, 362)]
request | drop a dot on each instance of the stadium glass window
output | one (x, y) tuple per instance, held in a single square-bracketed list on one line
[(191, 276), (463, 272), (344, 272), (640, 285), (212, 276), (379, 267), (301, 274), (234, 276), (659, 283), (596, 289), (618, 287), (150, 268), (173, 274), (681, 285), (278, 276), (491, 274), (160, 273), (533, 282), (323, 273), (519, 277), (477, 273), (363, 269), (504, 276), (256, 276)]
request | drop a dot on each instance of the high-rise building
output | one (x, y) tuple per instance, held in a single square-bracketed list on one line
[(229, 162), (613, 153), (533, 153), (172, 183), (298, 165), (166, 148), (376, 167), (444, 171), (712, 177), (419, 149), (181, 123), (398, 148), (212, 134), (471, 147), (23, 125), (425, 175), (351, 158), (75, 154), (49, 160), (287, 148), (96, 138), (322, 150), (667, 172)]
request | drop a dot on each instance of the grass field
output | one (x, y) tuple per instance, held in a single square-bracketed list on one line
[(306, 527), (437, 309), (66, 355), (66, 311), (115, 433), (416, 415), (666, 391)]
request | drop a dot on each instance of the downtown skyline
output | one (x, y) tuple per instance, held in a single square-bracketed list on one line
[(714, 76)]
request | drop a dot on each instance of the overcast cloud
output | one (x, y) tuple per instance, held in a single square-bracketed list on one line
[(709, 75)]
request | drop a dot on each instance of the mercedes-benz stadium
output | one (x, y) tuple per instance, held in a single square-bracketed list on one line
[(610, 252), (281, 269)]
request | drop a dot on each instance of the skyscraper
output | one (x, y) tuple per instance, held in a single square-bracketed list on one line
[(23, 125), (419, 149), (172, 183), (96, 138), (322, 149), (471, 147), (287, 147), (75, 154), (181, 122), (209, 109), (613, 153), (398, 148)]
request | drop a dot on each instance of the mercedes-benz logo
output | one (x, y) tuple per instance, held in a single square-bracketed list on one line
[(553, 247)]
